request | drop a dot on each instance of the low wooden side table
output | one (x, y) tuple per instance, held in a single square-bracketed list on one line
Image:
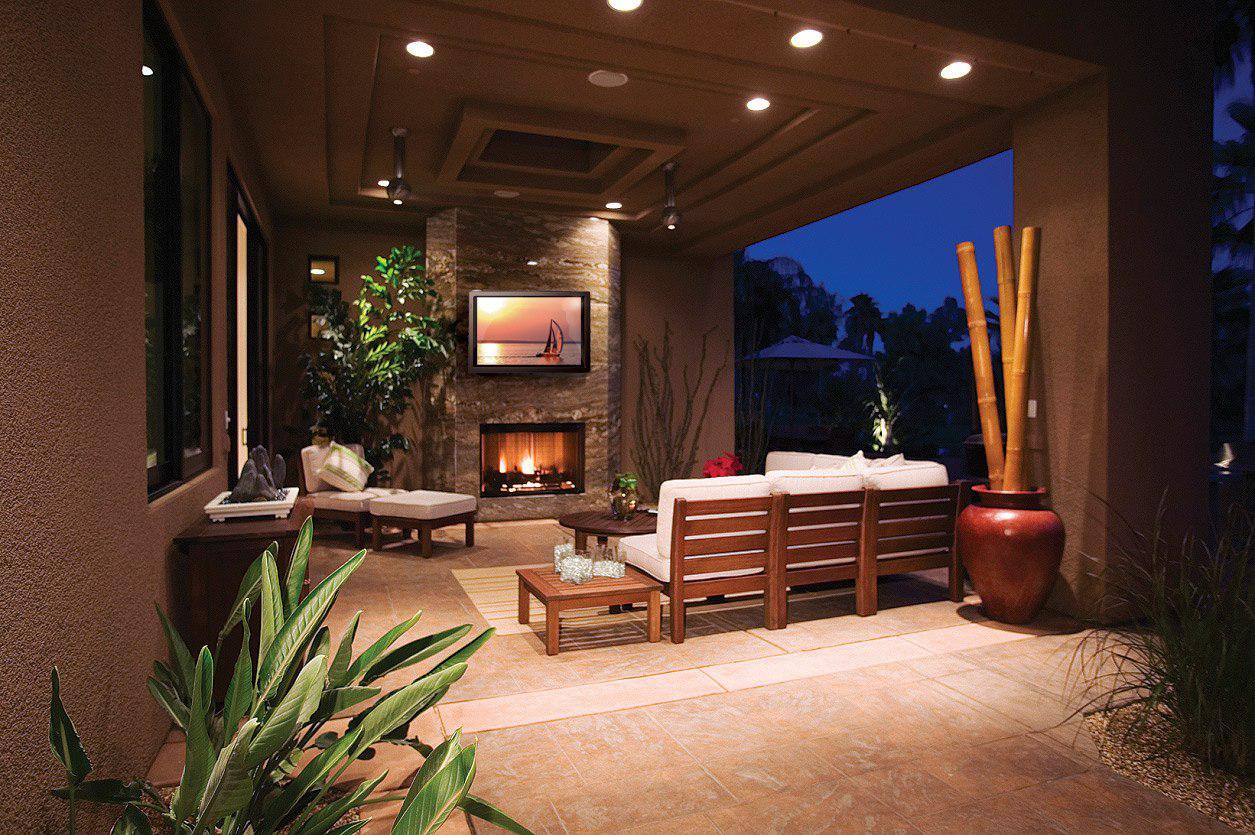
[(556, 595), (603, 525)]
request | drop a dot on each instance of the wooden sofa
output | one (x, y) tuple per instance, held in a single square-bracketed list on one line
[(796, 528)]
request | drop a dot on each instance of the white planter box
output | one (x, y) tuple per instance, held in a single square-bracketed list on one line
[(218, 511)]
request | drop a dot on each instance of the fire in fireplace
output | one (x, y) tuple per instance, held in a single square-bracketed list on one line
[(530, 459)]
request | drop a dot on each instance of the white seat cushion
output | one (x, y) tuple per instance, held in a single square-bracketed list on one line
[(814, 481), (423, 504), (910, 474), (641, 552), (789, 461), (312, 459), (695, 489), (354, 502)]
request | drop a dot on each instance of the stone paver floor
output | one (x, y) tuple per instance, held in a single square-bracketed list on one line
[(923, 718)]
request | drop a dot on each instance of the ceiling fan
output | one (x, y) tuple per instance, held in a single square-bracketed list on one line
[(398, 189)]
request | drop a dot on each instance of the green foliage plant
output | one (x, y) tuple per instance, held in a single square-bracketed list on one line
[(1185, 656), (262, 760), (373, 351)]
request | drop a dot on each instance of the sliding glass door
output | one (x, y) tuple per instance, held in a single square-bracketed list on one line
[(248, 315)]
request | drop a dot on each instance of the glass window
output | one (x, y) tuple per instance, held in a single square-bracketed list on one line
[(176, 263)]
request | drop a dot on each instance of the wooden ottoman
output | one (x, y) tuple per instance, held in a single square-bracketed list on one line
[(424, 511)]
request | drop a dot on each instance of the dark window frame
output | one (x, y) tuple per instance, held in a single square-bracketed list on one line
[(165, 217)]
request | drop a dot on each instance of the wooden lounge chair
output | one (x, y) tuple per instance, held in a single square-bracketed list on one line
[(707, 547), (907, 529)]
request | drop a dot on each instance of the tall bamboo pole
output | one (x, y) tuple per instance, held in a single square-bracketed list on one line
[(982, 362), (1017, 388), (1006, 299)]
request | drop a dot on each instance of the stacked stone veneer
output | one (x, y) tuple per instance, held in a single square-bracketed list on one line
[(485, 249)]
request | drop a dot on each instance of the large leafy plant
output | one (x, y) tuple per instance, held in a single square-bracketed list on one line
[(373, 351), (261, 761)]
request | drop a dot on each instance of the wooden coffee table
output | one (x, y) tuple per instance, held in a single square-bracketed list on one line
[(556, 595), (603, 525)]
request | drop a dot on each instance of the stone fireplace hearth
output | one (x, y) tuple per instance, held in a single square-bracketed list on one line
[(490, 249)]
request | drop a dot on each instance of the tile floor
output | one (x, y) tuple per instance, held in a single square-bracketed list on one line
[(923, 718)]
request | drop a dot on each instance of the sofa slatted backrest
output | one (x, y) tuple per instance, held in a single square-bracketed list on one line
[(820, 535), (908, 529), (717, 547)]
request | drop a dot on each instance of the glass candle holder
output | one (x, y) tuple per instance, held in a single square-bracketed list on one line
[(577, 568), (608, 562)]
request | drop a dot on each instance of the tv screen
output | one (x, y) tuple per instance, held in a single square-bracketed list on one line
[(529, 332)]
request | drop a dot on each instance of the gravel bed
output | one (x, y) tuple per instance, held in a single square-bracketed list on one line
[(1149, 757)]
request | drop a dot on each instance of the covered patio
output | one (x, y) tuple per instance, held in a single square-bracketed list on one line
[(608, 160)]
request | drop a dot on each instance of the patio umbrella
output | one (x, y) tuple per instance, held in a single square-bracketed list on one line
[(795, 355)]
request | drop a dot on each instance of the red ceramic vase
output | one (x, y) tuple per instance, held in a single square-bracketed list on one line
[(1011, 546)]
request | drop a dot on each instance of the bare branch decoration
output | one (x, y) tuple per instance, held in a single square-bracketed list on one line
[(669, 420)]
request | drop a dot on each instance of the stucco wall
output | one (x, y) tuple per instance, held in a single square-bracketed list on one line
[(1061, 185), (693, 296), (84, 556)]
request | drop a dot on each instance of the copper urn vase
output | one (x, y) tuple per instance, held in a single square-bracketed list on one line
[(1011, 545)]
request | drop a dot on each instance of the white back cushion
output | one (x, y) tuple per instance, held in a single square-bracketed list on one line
[(835, 480), (831, 462), (725, 487), (790, 461), (910, 474), (312, 459)]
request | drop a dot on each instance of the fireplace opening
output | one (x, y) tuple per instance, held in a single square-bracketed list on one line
[(531, 459)]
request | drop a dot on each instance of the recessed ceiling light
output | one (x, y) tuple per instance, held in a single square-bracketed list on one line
[(506, 193), (954, 70), (396, 201), (384, 183), (317, 271), (614, 204), (607, 78), (532, 263), (147, 70), (758, 103), (671, 226), (806, 38), (624, 5), (420, 49)]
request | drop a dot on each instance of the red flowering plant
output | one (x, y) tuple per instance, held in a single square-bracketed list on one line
[(726, 464)]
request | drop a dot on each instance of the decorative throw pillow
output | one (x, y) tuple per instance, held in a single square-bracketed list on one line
[(892, 461), (344, 469)]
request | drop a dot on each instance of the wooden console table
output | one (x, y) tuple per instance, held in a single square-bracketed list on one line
[(556, 596), (208, 569)]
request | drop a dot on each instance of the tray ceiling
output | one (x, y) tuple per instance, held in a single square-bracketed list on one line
[(505, 105)]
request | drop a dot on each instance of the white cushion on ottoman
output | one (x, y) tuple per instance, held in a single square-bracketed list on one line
[(355, 502), (422, 505)]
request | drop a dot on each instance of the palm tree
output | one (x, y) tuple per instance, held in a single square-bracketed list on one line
[(862, 323)]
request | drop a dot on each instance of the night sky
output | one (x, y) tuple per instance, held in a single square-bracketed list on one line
[(900, 248)]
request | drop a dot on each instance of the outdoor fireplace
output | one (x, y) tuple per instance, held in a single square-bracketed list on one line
[(531, 459)]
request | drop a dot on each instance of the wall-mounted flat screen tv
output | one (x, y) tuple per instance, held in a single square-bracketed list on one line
[(543, 331)]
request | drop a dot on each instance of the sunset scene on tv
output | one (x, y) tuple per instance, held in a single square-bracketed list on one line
[(528, 330)]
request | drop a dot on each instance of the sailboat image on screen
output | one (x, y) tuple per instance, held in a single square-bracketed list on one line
[(553, 345), (541, 331)]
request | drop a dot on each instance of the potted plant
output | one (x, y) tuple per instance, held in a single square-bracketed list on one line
[(373, 351), (623, 496), (263, 761)]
